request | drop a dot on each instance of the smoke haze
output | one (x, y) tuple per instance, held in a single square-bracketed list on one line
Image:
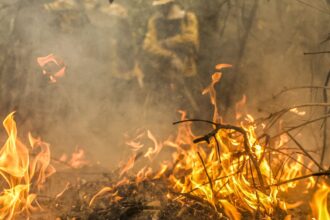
[(93, 108)]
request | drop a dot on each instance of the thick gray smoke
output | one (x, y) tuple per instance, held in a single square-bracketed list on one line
[(94, 105)]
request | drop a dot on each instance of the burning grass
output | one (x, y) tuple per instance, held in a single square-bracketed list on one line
[(236, 171), (22, 175)]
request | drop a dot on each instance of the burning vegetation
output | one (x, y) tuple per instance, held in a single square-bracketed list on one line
[(236, 171), (23, 172), (110, 85)]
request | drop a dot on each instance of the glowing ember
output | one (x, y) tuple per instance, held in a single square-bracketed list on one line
[(296, 111), (52, 67), (77, 159)]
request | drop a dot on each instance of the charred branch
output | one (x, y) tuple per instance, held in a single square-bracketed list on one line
[(305, 152), (319, 174), (240, 130)]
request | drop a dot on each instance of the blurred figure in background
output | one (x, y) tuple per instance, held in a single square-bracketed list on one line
[(116, 45), (171, 46), (120, 77)]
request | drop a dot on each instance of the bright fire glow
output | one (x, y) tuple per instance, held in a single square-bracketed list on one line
[(49, 60), (320, 203), (18, 169), (234, 170)]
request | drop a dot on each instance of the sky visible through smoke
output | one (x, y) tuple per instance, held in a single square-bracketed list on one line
[(97, 107)]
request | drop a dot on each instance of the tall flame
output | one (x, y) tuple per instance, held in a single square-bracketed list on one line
[(233, 179), (320, 204), (216, 77), (18, 170), (231, 168)]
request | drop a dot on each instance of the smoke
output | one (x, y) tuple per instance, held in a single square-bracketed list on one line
[(98, 101)]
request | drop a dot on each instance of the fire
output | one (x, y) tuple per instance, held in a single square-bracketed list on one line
[(320, 204), (153, 152), (296, 111), (77, 159), (135, 143), (234, 176), (20, 172), (129, 165), (47, 64), (216, 77), (231, 168), (242, 175)]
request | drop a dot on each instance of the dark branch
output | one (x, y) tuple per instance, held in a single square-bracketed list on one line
[(305, 152), (313, 53), (325, 173)]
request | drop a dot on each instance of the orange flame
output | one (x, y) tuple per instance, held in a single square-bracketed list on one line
[(77, 159), (153, 152), (129, 165), (234, 179), (320, 203), (228, 171), (47, 60), (18, 170), (212, 92)]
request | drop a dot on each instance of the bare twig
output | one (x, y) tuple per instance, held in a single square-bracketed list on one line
[(248, 151), (218, 148), (240, 130), (220, 178), (325, 125), (212, 134), (319, 52), (297, 88), (256, 191), (324, 173), (300, 125), (207, 174), (280, 168), (289, 156), (285, 110), (313, 7), (267, 142), (195, 120), (305, 152)]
